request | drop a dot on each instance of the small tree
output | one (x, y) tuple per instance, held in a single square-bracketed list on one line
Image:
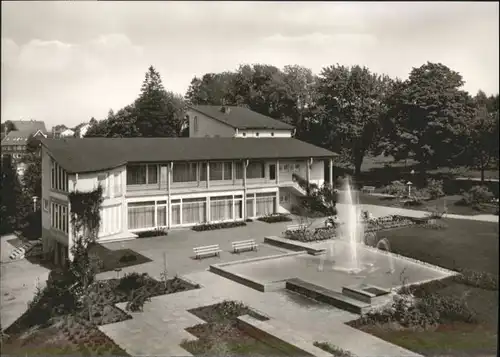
[(14, 205)]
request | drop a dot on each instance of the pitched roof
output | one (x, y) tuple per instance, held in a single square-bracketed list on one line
[(16, 137), (29, 125), (96, 154), (241, 117)]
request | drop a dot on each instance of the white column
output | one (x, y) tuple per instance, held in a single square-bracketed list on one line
[(245, 189), (277, 172), (169, 201), (208, 174)]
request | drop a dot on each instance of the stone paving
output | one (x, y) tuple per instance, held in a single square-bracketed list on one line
[(164, 319)]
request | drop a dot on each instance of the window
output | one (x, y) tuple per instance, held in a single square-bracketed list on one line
[(59, 177), (59, 217), (45, 205), (250, 205), (238, 207), (194, 210), (141, 215), (184, 172), (297, 167), (265, 203), (142, 174), (195, 124), (216, 169), (221, 208), (238, 170), (176, 212), (255, 170), (161, 213), (117, 184), (203, 171), (103, 182), (284, 198)]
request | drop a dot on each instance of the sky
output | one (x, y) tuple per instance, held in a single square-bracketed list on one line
[(64, 62)]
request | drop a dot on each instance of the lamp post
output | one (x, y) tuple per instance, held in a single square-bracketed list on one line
[(409, 183)]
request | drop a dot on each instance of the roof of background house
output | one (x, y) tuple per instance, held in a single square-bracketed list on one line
[(16, 137), (29, 125), (241, 117), (96, 154)]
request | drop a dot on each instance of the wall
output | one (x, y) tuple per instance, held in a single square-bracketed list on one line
[(264, 133), (208, 126)]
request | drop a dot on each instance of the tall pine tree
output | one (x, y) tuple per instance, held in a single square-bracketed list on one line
[(159, 113)]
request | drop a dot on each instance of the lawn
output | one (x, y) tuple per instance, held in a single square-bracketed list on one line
[(450, 202), (116, 259), (220, 335), (464, 244)]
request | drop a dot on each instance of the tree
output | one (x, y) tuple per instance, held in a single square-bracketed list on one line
[(7, 126), (159, 113), (119, 125), (427, 115), (14, 205), (211, 89), (351, 103), (481, 138)]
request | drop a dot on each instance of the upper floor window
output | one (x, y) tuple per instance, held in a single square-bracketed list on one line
[(195, 124), (103, 182), (142, 174), (117, 184), (255, 170), (184, 172), (221, 171), (59, 177)]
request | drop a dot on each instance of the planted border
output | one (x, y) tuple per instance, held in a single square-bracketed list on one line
[(214, 226), (275, 218)]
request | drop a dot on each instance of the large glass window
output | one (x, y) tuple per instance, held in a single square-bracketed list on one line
[(238, 207), (250, 205), (141, 215), (103, 182), (161, 215), (184, 172), (238, 170), (194, 210), (203, 171), (265, 203), (142, 174), (221, 171), (176, 214), (255, 170), (59, 217), (221, 208)]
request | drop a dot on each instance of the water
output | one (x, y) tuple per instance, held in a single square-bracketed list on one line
[(385, 242), (353, 227)]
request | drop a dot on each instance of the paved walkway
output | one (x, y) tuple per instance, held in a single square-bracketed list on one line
[(380, 211), (164, 319)]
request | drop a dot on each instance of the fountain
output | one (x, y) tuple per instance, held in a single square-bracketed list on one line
[(387, 247)]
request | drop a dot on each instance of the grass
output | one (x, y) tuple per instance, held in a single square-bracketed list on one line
[(116, 259), (465, 244), (429, 205), (221, 335)]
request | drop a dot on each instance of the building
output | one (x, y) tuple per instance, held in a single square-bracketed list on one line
[(230, 121), (68, 133), (173, 182), (15, 141)]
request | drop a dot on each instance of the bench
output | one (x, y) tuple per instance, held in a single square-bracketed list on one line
[(368, 189), (206, 251), (244, 245)]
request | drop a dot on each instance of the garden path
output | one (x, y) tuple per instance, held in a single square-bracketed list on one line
[(159, 329)]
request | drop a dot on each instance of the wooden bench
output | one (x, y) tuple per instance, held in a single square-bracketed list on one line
[(368, 189), (207, 251), (244, 245)]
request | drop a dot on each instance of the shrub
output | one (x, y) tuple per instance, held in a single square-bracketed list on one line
[(482, 280), (413, 202), (275, 217), (153, 233), (396, 188), (133, 281), (435, 225), (435, 189), (306, 235), (213, 226), (476, 196), (137, 299), (249, 220), (334, 350)]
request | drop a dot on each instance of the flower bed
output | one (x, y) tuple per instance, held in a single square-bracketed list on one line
[(306, 235), (221, 336), (153, 233), (275, 217), (389, 222), (213, 226)]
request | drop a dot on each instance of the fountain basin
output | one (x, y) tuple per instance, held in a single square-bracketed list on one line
[(370, 294)]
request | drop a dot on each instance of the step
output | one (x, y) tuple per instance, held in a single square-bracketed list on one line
[(327, 296)]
